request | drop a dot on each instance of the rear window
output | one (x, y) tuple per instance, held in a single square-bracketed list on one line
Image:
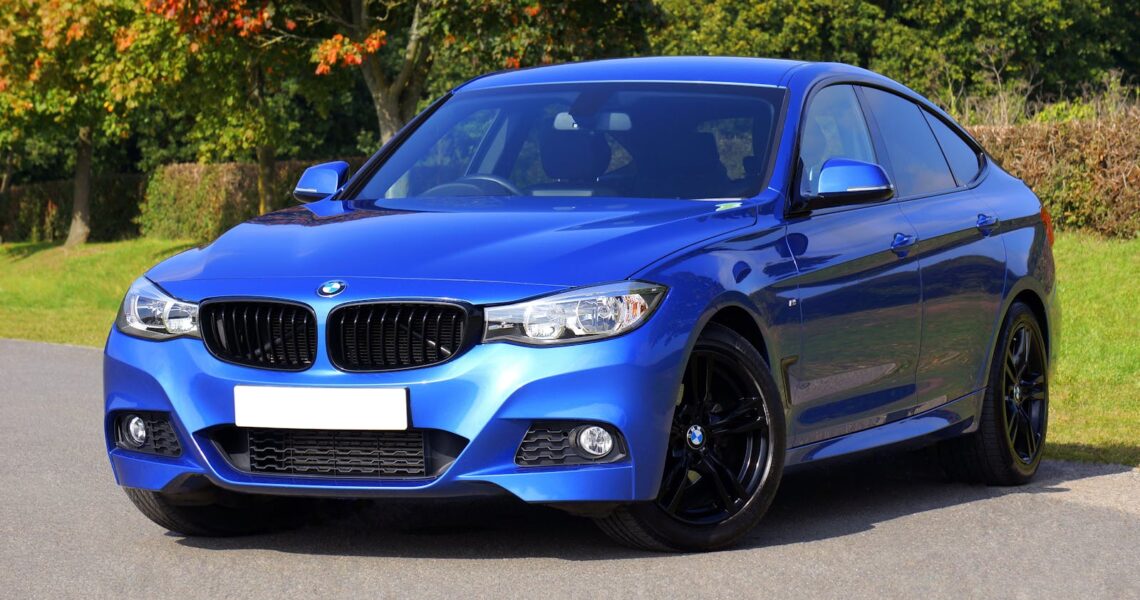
[(633, 140)]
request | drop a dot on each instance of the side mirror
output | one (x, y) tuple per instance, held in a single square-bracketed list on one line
[(321, 181), (843, 181)]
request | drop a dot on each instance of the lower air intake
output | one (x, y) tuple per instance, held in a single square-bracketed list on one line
[(350, 454)]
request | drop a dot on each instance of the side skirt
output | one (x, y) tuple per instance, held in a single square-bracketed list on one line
[(948, 420)]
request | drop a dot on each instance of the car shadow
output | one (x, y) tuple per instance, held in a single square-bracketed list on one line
[(813, 504)]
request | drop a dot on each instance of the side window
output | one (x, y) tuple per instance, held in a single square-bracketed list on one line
[(833, 128), (917, 160), (962, 158)]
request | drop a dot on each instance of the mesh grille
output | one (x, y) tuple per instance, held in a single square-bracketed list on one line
[(552, 444), (360, 454), (388, 336), (271, 335)]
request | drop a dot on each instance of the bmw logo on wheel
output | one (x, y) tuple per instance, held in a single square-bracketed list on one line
[(696, 436), (329, 289)]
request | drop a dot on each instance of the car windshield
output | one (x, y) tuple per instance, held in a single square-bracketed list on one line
[(636, 140)]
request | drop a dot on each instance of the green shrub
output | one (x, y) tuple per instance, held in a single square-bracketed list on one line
[(41, 212), (201, 201), (1086, 171)]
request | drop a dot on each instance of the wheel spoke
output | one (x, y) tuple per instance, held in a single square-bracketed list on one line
[(1030, 436), (679, 478), (734, 484), (1023, 353), (708, 470), (1010, 376), (1012, 420), (747, 416)]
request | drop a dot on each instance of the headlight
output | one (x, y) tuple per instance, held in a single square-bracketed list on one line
[(149, 312), (575, 316)]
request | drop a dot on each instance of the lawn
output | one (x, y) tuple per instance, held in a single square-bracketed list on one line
[(54, 294)]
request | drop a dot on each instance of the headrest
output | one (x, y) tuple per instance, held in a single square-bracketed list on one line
[(574, 155)]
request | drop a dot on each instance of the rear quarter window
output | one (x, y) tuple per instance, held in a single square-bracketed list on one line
[(963, 159)]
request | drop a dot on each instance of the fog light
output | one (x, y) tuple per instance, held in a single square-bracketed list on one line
[(134, 430), (595, 441)]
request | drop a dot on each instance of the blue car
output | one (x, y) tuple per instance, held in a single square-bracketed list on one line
[(638, 290)]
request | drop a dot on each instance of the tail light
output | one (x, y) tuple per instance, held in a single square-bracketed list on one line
[(1048, 220)]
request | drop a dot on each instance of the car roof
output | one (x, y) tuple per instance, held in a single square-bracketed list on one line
[(704, 69)]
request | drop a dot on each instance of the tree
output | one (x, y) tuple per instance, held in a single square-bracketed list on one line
[(941, 49), (393, 44), (78, 68)]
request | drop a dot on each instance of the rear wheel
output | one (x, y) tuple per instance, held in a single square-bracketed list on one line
[(725, 454), (222, 514), (1007, 447)]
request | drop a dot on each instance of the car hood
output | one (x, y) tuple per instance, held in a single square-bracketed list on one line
[(527, 242)]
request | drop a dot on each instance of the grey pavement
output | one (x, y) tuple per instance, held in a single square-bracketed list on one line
[(878, 528)]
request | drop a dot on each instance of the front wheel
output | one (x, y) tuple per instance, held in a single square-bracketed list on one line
[(725, 454)]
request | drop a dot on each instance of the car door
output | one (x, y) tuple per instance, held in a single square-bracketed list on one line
[(961, 258), (859, 298)]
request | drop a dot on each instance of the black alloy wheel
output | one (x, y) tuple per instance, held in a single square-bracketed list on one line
[(718, 443), (1024, 406), (724, 455)]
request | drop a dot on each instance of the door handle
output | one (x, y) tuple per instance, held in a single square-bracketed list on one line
[(987, 223), (902, 243)]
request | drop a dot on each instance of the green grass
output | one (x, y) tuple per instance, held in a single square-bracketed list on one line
[(70, 296), (53, 294), (1095, 397)]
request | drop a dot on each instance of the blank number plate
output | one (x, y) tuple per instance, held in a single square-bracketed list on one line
[(321, 408)]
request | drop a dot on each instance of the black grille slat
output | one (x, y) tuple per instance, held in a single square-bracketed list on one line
[(383, 336), (348, 454), (260, 333)]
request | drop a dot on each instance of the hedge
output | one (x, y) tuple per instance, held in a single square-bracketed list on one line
[(41, 212), (201, 201), (1086, 172)]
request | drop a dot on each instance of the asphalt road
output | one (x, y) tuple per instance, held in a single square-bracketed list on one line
[(881, 528)]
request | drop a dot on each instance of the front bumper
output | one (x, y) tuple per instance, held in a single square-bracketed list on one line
[(489, 396)]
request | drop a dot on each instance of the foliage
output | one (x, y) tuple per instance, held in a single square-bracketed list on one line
[(945, 50), (1086, 172), (200, 201), (40, 212)]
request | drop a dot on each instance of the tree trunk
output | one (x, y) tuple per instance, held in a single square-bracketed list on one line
[(395, 99), (387, 116), (266, 177), (6, 177), (81, 197)]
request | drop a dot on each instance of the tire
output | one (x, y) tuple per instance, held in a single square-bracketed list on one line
[(231, 515), (996, 454), (698, 478)]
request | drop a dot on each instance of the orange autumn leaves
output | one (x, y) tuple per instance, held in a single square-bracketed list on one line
[(340, 49)]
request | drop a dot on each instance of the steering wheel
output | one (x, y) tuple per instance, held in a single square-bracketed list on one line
[(475, 185), (481, 180)]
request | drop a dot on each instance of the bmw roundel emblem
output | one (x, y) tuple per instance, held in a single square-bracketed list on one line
[(329, 289), (696, 436)]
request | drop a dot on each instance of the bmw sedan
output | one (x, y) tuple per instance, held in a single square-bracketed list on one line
[(637, 290)]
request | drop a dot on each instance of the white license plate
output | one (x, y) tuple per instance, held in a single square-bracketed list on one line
[(320, 408)]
